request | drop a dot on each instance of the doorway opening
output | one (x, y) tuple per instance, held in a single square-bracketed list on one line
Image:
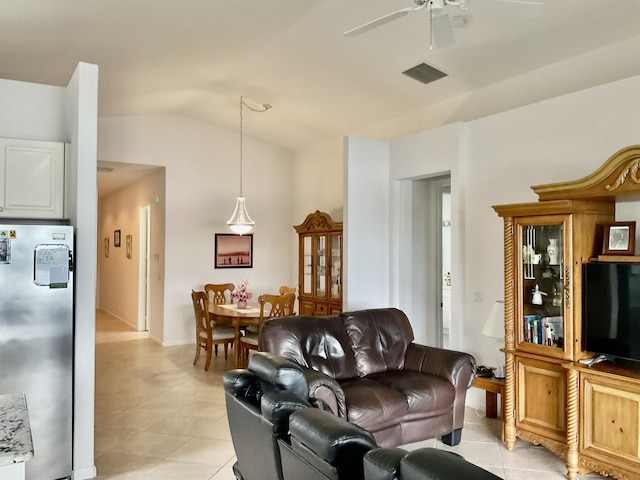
[(144, 293), (431, 232), (445, 256)]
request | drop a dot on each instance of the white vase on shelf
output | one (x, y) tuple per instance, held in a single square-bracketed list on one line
[(553, 250)]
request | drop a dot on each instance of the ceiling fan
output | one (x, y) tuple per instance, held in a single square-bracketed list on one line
[(441, 26)]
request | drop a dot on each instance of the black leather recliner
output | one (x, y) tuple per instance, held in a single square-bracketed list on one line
[(259, 401), (421, 464), (322, 446)]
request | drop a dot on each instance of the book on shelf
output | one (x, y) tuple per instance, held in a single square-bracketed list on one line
[(543, 330)]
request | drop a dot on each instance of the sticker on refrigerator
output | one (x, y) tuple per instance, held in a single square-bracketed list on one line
[(5, 247), (51, 267)]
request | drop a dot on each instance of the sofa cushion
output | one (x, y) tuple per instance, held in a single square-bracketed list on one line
[(316, 342), (377, 401), (379, 339)]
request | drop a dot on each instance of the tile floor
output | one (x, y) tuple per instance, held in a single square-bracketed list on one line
[(158, 417)]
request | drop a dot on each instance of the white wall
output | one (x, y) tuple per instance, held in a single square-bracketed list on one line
[(366, 225), (32, 111), (202, 181)]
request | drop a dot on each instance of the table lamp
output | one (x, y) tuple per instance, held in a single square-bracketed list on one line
[(494, 327)]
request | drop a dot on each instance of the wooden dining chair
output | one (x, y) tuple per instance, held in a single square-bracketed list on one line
[(285, 289), (217, 295), (208, 335), (217, 292), (270, 306)]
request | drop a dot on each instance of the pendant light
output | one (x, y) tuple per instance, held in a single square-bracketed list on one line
[(240, 222)]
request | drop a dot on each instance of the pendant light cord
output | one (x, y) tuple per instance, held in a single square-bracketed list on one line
[(241, 103), (265, 107)]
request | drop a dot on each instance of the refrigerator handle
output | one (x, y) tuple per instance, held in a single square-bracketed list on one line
[(70, 261)]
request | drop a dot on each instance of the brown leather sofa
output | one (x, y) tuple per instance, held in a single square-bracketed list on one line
[(364, 366)]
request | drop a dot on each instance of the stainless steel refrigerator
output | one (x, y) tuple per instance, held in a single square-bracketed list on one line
[(36, 337)]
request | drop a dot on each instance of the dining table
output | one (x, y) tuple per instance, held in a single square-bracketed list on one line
[(238, 318)]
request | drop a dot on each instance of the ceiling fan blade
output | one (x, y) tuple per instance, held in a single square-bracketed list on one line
[(382, 20), (523, 2), (441, 31), (522, 8)]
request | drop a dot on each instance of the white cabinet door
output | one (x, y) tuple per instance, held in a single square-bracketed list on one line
[(31, 179)]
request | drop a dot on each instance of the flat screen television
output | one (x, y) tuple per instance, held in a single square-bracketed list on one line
[(611, 309)]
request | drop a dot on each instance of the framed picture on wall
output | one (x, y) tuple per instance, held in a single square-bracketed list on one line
[(619, 238), (233, 251), (116, 238), (128, 244)]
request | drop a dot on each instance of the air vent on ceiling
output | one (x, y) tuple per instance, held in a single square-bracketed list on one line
[(424, 73)]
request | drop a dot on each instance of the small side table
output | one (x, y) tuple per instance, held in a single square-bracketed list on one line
[(493, 387)]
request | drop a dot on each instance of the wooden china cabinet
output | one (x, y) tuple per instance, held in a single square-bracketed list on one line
[(588, 415), (319, 265)]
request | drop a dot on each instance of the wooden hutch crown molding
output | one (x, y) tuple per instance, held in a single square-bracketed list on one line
[(318, 221), (606, 183)]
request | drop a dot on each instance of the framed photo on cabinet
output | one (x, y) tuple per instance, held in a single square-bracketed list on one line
[(233, 251), (619, 238)]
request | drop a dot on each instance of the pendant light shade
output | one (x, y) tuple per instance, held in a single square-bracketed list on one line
[(240, 222)]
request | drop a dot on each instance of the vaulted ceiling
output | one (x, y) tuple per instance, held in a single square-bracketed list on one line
[(196, 57)]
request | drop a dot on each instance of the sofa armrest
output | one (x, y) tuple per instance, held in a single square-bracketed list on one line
[(438, 464), (240, 383), (457, 367), (277, 406), (325, 392), (329, 443), (383, 463)]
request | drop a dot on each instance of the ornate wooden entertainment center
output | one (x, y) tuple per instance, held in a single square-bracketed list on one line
[(589, 415)]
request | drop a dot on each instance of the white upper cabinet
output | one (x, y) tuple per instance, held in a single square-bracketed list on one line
[(31, 179)]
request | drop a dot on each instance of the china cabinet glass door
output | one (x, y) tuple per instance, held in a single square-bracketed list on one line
[(321, 266), (543, 287), (307, 259), (335, 265)]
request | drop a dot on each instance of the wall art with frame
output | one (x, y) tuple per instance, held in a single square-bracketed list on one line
[(233, 251), (129, 240)]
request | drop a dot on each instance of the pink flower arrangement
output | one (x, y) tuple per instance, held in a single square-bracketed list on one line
[(242, 292)]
